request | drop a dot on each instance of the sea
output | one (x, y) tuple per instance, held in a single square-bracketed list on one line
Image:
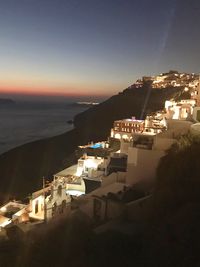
[(27, 121)]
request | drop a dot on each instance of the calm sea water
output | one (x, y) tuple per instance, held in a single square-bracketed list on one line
[(24, 122)]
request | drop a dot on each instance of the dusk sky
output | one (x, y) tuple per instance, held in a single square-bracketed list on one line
[(94, 47)]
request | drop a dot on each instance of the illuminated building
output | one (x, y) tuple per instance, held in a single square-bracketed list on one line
[(196, 95), (155, 123), (13, 212), (52, 200), (123, 129), (180, 110), (144, 154)]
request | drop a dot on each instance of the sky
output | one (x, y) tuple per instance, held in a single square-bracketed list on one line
[(94, 47)]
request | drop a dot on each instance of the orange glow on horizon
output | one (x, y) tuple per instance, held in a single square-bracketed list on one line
[(45, 86), (49, 91)]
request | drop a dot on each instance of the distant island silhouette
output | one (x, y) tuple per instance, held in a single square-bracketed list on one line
[(7, 101)]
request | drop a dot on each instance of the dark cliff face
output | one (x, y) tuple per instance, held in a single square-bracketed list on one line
[(137, 102), (22, 169)]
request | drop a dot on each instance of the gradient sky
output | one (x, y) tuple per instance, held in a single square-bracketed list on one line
[(94, 47)]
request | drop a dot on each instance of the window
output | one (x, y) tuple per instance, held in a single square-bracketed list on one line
[(36, 207), (59, 190)]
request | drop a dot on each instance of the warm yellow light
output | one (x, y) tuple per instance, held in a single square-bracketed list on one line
[(3, 209)]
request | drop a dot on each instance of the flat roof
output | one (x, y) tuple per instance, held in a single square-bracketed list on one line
[(68, 171), (130, 120), (71, 179), (41, 191), (11, 205), (74, 192)]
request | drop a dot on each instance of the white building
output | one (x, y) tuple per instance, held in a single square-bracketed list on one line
[(52, 200), (91, 166), (142, 159), (75, 185), (13, 212), (145, 153), (180, 110), (156, 123)]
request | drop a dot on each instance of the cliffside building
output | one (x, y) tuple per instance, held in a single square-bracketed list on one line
[(143, 157), (180, 110), (13, 212), (52, 200), (123, 129)]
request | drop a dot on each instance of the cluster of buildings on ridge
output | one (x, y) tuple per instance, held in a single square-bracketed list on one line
[(171, 78), (103, 187)]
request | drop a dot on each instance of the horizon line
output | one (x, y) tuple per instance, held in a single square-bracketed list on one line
[(52, 94)]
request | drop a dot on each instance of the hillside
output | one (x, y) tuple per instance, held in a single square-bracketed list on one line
[(98, 120), (22, 168)]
